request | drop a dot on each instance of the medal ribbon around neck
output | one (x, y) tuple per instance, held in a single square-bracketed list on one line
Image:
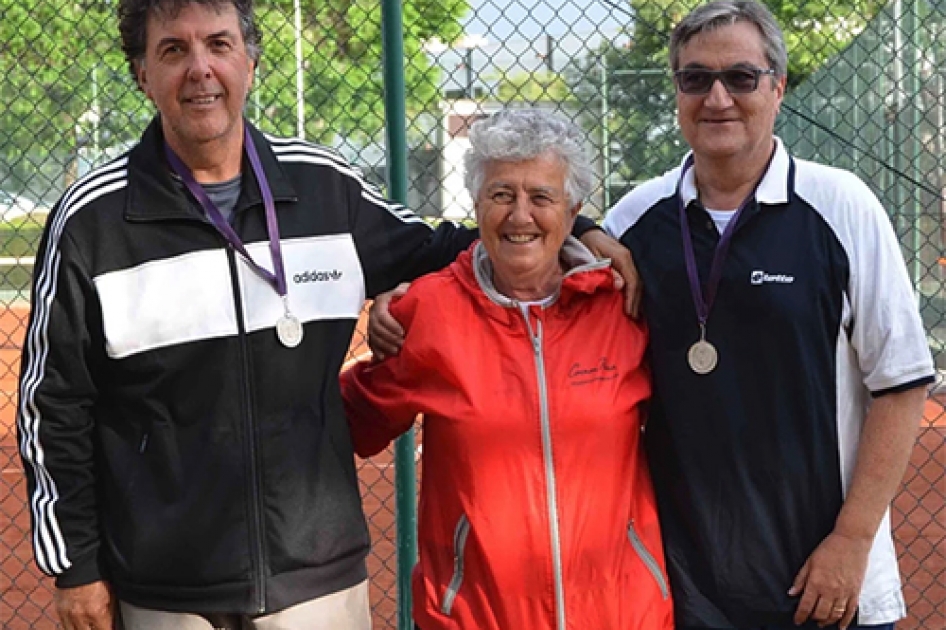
[(704, 306), (278, 279)]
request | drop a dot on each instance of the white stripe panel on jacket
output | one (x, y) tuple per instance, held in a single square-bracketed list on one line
[(48, 543), (166, 302), (189, 297), (323, 275)]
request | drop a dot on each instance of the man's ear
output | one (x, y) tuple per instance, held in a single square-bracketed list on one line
[(142, 77), (780, 86)]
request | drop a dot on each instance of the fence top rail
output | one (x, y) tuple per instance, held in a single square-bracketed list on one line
[(15, 261)]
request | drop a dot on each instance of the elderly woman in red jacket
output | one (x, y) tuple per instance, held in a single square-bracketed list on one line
[(536, 507)]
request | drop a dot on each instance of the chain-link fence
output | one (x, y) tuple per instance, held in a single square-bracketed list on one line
[(866, 93)]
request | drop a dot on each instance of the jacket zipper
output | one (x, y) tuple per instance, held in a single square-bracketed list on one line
[(459, 546), (550, 484), (649, 561), (256, 524)]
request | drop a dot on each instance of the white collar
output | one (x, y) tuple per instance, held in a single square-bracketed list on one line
[(773, 189)]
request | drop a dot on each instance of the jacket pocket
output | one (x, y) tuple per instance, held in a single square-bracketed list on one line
[(460, 535), (648, 559)]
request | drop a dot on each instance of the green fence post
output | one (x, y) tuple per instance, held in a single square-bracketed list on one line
[(405, 475)]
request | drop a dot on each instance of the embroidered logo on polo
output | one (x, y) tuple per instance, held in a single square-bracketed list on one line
[(317, 276), (761, 277)]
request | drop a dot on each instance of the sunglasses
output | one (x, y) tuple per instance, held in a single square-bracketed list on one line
[(741, 80)]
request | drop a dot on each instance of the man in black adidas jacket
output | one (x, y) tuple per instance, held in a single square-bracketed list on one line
[(179, 417)]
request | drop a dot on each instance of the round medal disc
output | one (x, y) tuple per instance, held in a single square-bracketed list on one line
[(289, 330), (702, 357)]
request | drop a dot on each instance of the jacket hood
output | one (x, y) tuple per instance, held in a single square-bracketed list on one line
[(584, 274)]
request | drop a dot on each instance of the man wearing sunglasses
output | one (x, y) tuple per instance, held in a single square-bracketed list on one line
[(790, 364)]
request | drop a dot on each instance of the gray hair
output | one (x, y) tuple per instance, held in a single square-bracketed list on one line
[(133, 24), (516, 135), (714, 15)]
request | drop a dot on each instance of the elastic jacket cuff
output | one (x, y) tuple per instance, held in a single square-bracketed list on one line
[(83, 571)]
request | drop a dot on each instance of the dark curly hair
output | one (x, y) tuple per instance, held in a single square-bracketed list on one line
[(133, 22)]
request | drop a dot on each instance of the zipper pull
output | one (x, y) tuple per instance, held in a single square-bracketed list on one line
[(537, 337)]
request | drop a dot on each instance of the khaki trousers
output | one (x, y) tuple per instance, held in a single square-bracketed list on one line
[(345, 610)]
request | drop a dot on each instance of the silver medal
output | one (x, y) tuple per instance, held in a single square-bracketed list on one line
[(702, 357), (289, 330)]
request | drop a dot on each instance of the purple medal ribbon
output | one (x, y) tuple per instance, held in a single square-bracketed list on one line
[(277, 279), (703, 307)]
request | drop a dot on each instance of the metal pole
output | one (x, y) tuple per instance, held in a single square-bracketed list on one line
[(914, 102), (605, 134), (894, 124), (96, 135), (550, 53), (405, 474), (468, 62), (940, 152), (300, 86), (856, 90)]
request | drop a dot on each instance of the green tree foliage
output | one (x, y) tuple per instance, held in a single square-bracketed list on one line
[(66, 89), (633, 71), (342, 49), (532, 87), (61, 72)]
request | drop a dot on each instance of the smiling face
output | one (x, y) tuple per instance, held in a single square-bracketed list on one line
[(524, 217), (197, 72), (720, 125)]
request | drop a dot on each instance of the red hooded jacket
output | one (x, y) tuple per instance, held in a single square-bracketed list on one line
[(536, 506)]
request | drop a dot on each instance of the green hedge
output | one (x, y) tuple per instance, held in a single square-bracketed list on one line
[(20, 237), (17, 238)]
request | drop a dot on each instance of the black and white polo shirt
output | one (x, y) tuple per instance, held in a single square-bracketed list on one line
[(814, 315)]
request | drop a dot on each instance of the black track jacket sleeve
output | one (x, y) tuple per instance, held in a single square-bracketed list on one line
[(394, 244), (54, 421)]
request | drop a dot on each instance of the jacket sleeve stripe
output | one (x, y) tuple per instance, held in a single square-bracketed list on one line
[(313, 155), (48, 542)]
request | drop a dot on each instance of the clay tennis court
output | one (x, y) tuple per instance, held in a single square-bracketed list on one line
[(25, 598)]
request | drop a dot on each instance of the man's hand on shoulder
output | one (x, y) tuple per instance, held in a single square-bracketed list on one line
[(385, 334), (625, 272), (86, 607)]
